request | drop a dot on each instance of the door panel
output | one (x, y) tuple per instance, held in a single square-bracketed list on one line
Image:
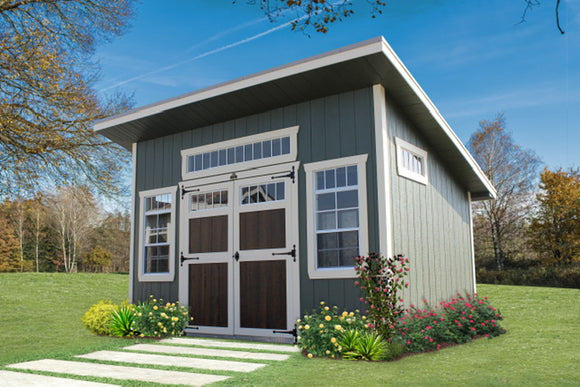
[(263, 294), (208, 294), (208, 235), (263, 229)]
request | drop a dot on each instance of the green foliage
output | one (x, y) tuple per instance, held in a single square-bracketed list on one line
[(98, 257), (97, 318), (153, 318), (367, 346), (380, 280), (561, 276), (122, 320), (457, 321), (319, 332), (349, 339)]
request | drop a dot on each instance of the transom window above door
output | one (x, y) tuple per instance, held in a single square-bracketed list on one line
[(274, 147)]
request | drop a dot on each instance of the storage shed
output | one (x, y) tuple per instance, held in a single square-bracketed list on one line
[(251, 198)]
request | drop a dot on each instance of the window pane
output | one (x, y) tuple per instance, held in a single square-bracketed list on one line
[(341, 177), (214, 159), (276, 147), (330, 179), (231, 156), (245, 199), (347, 199), (348, 219), (271, 191), (280, 191), (267, 149), (346, 257), (325, 201), (352, 175), (319, 180), (253, 194), (348, 239), (198, 162), (206, 161), (248, 152), (326, 221), (239, 154), (285, 145), (223, 157), (190, 164), (201, 203), (257, 151), (328, 258), (327, 241)]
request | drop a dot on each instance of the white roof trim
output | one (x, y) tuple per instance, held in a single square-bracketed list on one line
[(371, 46)]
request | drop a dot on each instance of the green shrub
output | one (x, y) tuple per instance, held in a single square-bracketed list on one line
[(319, 332), (457, 321), (154, 318), (562, 276), (96, 319), (367, 346), (121, 321)]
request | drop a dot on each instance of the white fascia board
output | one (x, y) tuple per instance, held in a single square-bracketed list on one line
[(400, 67), (368, 47)]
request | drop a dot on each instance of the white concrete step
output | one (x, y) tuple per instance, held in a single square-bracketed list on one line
[(173, 361), (119, 372), (12, 379), (170, 349), (230, 344)]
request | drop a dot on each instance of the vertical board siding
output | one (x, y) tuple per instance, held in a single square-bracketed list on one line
[(330, 127), (430, 222)]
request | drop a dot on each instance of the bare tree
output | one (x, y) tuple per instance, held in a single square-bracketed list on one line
[(531, 4), (512, 171), (73, 212)]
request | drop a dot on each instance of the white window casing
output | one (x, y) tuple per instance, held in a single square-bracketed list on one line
[(336, 214), (273, 147), (156, 255), (411, 162)]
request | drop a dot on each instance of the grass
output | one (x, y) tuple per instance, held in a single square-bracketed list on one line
[(41, 318)]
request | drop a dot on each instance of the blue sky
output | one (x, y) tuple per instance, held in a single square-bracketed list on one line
[(473, 58)]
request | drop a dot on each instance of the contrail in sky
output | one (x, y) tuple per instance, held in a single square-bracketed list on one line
[(203, 55)]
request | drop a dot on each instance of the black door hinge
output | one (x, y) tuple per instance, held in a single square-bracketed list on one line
[(186, 190), (291, 175), (291, 253), (182, 259)]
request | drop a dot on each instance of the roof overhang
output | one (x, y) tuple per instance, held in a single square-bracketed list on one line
[(353, 67)]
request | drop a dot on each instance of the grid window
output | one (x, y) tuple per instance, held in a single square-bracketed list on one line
[(157, 219), (336, 214), (411, 162)]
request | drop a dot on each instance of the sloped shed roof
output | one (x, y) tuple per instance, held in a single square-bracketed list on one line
[(353, 67)]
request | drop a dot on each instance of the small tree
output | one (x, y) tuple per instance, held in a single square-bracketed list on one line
[(9, 248), (98, 258), (555, 227)]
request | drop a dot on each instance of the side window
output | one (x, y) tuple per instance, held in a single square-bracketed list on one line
[(156, 245), (411, 161), (337, 216)]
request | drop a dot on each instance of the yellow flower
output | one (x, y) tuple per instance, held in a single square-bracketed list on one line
[(364, 317), (167, 305), (351, 314), (174, 319), (150, 313), (344, 314), (155, 307), (328, 318), (298, 321), (333, 340), (321, 326), (327, 352), (338, 327), (321, 302), (299, 326), (310, 356), (307, 327), (160, 324), (142, 335), (154, 300), (326, 308)]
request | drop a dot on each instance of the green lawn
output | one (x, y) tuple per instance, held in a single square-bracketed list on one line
[(41, 318)]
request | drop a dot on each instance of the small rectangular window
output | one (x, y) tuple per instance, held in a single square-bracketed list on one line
[(411, 161)]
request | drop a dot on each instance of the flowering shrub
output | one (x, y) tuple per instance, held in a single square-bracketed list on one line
[(153, 318), (380, 280), (96, 319), (320, 332), (457, 321)]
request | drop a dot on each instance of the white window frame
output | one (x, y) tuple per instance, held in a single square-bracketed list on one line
[(157, 277), (291, 132), (360, 160), (415, 151)]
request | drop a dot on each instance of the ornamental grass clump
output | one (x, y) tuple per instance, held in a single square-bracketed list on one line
[(121, 321), (451, 322), (155, 318), (320, 332)]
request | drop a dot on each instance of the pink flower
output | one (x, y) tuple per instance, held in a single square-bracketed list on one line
[(356, 283), (428, 327), (472, 328)]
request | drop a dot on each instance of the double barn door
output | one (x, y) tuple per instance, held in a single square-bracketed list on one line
[(238, 269)]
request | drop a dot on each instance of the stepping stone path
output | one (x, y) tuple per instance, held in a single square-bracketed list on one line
[(176, 352)]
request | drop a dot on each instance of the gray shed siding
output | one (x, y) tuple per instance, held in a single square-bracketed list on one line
[(431, 223), (335, 126)]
